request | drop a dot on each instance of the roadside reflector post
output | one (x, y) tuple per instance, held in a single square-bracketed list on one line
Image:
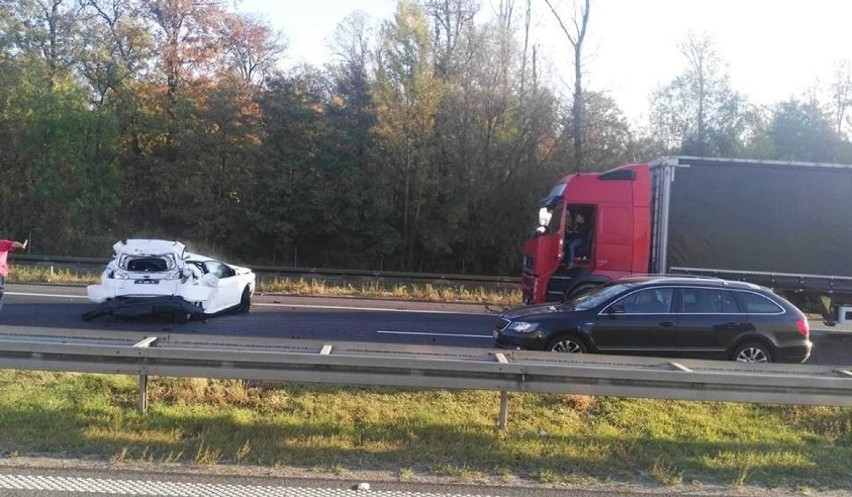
[(143, 378), (503, 421)]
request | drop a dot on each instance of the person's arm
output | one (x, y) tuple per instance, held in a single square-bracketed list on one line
[(20, 245)]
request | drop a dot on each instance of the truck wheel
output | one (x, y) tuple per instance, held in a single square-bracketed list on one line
[(752, 352), (579, 290), (567, 343)]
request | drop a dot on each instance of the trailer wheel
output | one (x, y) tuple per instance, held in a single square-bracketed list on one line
[(569, 344), (752, 352)]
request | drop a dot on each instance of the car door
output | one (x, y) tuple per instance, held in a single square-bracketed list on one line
[(640, 323), (227, 292), (709, 319)]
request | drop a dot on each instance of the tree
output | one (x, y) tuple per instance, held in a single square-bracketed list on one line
[(188, 39), (117, 44), (841, 96), (43, 29), (607, 135), (698, 113), (802, 131), (576, 37), (407, 93), (362, 229), (284, 210), (452, 20), (252, 48)]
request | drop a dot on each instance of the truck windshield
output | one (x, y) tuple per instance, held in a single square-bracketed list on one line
[(557, 190)]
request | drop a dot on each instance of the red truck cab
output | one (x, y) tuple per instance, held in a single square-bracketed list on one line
[(617, 205)]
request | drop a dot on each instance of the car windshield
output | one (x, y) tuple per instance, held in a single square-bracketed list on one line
[(598, 296)]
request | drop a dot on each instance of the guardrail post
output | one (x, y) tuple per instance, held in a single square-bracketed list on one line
[(503, 421), (504, 410), (143, 378), (143, 393)]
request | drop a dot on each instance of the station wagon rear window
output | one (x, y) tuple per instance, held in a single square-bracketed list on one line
[(756, 304)]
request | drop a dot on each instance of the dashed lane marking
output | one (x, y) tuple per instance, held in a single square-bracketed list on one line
[(459, 335)]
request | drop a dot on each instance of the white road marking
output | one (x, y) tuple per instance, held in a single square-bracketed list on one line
[(380, 309), (296, 306), (180, 489), (460, 335), (57, 295)]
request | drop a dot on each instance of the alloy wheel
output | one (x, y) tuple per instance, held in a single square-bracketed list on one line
[(568, 345), (752, 354)]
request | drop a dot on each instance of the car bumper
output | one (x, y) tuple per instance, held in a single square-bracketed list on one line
[(533, 341), (145, 306), (794, 353)]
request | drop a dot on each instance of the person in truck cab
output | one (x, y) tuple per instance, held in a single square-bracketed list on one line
[(577, 239)]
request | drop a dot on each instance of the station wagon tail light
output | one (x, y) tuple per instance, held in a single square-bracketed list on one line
[(803, 326)]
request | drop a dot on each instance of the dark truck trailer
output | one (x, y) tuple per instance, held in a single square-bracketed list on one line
[(784, 225)]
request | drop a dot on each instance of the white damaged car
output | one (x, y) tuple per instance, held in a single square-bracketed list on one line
[(161, 277)]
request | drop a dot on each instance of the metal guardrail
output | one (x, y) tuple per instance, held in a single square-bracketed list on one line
[(424, 367), (306, 272)]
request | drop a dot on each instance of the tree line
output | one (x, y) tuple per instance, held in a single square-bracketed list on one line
[(425, 145)]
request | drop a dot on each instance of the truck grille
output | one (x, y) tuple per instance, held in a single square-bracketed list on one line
[(528, 263)]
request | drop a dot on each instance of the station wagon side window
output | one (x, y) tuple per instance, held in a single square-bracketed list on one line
[(708, 301), (647, 301), (758, 304)]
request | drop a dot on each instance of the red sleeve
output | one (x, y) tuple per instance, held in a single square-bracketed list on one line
[(5, 245)]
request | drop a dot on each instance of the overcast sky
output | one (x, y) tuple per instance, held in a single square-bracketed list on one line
[(774, 49)]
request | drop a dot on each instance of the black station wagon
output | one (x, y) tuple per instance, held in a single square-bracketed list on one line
[(665, 316)]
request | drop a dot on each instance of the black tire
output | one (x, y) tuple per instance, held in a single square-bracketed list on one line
[(752, 351), (568, 344), (245, 302)]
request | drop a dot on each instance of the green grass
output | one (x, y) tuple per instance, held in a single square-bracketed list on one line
[(303, 286), (550, 438)]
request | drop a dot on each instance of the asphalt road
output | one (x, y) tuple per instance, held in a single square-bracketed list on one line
[(39, 308), (35, 308)]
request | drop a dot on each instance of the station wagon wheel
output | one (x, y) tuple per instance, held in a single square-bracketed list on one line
[(567, 343), (752, 352)]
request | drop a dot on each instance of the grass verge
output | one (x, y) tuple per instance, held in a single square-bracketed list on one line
[(550, 439), (304, 286)]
